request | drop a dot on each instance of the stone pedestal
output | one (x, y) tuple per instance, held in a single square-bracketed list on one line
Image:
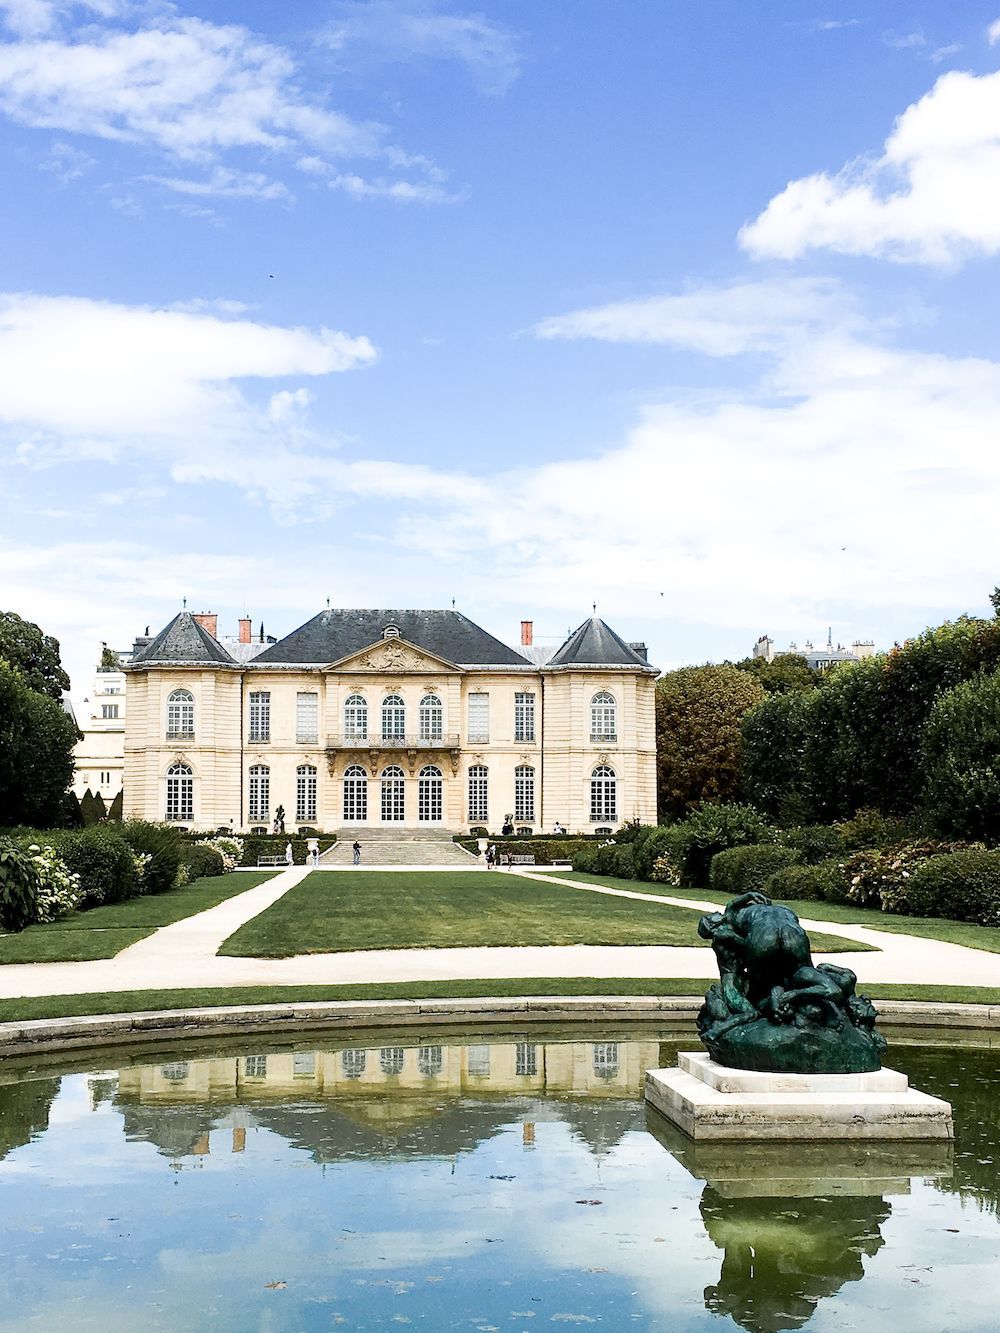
[(710, 1101)]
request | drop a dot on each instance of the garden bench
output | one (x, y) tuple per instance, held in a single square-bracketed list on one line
[(562, 865), (521, 860), (270, 861)]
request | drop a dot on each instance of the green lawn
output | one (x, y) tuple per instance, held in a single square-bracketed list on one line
[(104, 931), (932, 928), (339, 911), (145, 1001)]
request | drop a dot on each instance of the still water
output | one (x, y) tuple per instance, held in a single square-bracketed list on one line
[(487, 1183)]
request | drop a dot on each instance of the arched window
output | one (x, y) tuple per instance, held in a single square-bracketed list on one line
[(393, 809), (180, 792), (603, 795), (260, 793), (430, 1060), (393, 718), (431, 718), (603, 718), (353, 1063), (605, 1059), (355, 795), (478, 794), (429, 803), (524, 793), (180, 716), (355, 718), (305, 792)]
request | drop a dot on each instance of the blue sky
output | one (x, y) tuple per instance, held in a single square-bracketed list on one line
[(685, 307)]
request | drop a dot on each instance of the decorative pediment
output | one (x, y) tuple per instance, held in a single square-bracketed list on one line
[(394, 657)]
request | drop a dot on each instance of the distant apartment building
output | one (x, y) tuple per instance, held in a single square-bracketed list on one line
[(819, 659)]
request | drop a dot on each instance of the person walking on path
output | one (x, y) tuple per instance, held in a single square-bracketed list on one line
[(491, 856), (357, 853), (289, 857)]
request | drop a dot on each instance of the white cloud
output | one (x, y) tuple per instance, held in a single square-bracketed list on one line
[(404, 192), (226, 183), (905, 41), (408, 29), (993, 32), (720, 321), (933, 196)]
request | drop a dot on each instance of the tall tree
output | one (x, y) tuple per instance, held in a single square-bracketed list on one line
[(785, 674), (37, 737), (698, 741), (34, 654)]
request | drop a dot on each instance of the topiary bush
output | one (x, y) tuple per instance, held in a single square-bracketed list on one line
[(19, 884), (104, 862), (202, 862), (162, 845), (962, 886), (747, 869), (612, 859), (714, 829), (819, 883), (813, 842)]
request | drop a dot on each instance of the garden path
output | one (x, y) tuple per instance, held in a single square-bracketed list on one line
[(183, 955)]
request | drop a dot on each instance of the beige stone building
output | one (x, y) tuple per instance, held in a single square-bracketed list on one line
[(99, 756), (390, 719)]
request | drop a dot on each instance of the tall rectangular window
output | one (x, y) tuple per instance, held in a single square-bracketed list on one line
[(524, 793), (478, 794), (258, 808), (526, 1059), (306, 718), (305, 792), (479, 719), (109, 710), (260, 715), (524, 717)]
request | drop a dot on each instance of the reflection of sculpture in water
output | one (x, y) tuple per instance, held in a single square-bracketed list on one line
[(783, 1256), (772, 1009)]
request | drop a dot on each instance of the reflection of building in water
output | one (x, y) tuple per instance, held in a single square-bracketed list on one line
[(24, 1111), (404, 1100)]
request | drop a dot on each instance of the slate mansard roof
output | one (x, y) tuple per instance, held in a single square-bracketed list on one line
[(335, 634), (183, 643), (595, 644)]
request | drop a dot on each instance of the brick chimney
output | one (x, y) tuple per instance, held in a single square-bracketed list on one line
[(208, 620), (245, 629), (526, 633)]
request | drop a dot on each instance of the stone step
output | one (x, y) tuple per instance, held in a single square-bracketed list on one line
[(403, 852)]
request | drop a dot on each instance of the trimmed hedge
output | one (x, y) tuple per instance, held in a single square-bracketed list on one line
[(103, 860), (814, 842), (963, 886), (273, 844), (820, 883), (614, 859), (202, 862), (544, 850), (748, 869)]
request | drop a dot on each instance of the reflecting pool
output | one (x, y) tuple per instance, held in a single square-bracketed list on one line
[(504, 1181)]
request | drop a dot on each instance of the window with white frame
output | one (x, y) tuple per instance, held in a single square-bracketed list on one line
[(478, 794), (391, 1060), (305, 793), (430, 1060), (393, 809), (260, 793), (431, 718), (429, 795), (355, 718), (260, 716), (303, 1064), (526, 1059), (180, 715), (355, 795), (255, 1066), (605, 1059), (180, 792), (109, 711), (524, 793), (393, 718), (306, 718), (353, 1063), (603, 718), (479, 719), (478, 1060), (524, 716), (176, 1071), (603, 795)]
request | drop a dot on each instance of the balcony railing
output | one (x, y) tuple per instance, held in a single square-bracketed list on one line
[(603, 738), (377, 741), (180, 735)]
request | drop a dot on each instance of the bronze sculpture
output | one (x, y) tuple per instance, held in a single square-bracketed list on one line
[(772, 1009)]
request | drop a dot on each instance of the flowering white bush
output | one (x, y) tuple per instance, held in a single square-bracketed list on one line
[(59, 891), (230, 849), (665, 871), (142, 860)]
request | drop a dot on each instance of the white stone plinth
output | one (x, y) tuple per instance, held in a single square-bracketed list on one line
[(710, 1101)]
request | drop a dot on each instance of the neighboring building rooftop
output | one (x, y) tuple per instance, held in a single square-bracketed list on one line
[(595, 644), (337, 633), (183, 642)]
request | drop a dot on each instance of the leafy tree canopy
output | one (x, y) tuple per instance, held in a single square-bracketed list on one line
[(784, 674), (37, 737), (34, 654)]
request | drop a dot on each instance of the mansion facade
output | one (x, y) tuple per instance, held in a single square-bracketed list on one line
[(389, 719)]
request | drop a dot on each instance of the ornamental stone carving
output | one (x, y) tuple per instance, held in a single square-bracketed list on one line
[(393, 657)]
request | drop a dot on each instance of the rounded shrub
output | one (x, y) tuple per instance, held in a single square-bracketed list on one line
[(960, 761), (714, 829), (819, 883), (745, 869), (962, 886), (203, 862), (650, 843), (104, 862), (162, 845), (813, 842)]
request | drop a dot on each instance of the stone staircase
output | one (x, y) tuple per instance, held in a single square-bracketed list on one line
[(398, 847)]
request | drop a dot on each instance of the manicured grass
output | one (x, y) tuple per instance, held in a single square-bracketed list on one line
[(145, 1001), (931, 928), (337, 912), (104, 931)]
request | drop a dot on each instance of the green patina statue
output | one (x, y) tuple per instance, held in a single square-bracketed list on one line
[(772, 1009)]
